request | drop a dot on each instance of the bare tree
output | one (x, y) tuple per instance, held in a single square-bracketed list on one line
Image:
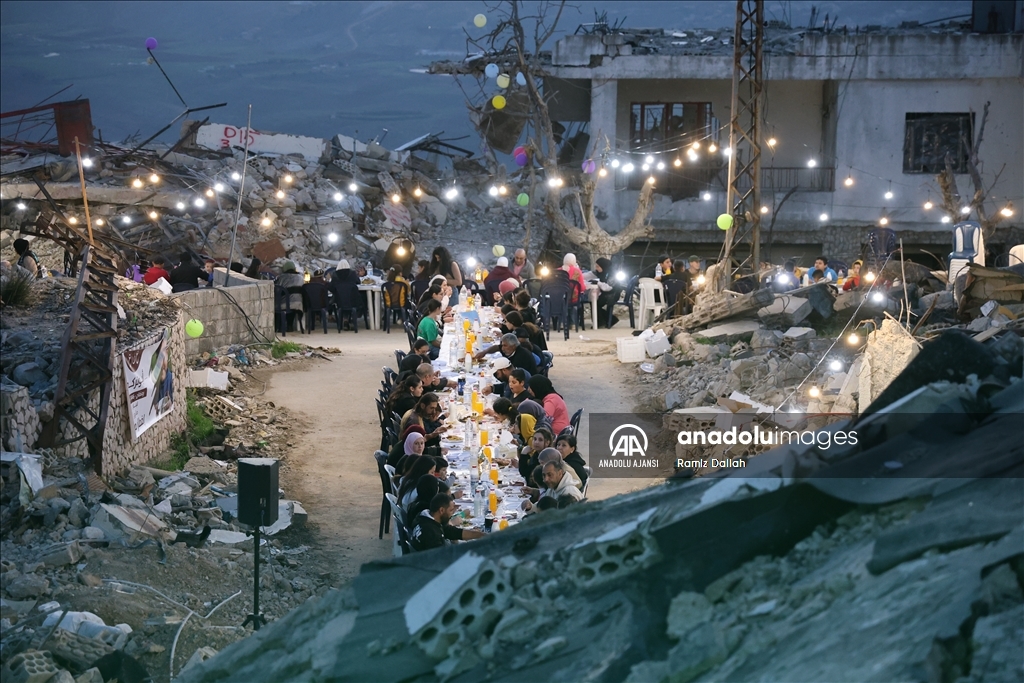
[(507, 45), (952, 202)]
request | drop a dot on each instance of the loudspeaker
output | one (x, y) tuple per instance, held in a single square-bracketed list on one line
[(257, 491)]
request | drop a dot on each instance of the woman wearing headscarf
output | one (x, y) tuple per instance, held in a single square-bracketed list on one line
[(426, 488), (574, 274), (399, 450), (530, 416), (554, 404)]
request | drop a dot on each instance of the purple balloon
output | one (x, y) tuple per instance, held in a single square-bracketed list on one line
[(151, 43), (521, 159), (589, 166)]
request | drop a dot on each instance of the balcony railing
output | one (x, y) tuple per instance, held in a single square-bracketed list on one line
[(691, 181)]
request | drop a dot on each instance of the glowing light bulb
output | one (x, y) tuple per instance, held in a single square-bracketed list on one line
[(544, 271), (692, 156), (814, 392), (602, 172), (660, 166), (471, 262), (200, 202), (650, 180), (695, 145), (126, 220), (338, 196), (811, 163), (180, 206), (451, 193), (137, 183), (236, 176), (279, 194), (266, 222), (771, 142), (493, 191), (21, 206), (648, 159), (615, 163), (154, 178), (289, 178), (417, 192), (87, 162), (645, 167), (153, 215), (677, 163), (888, 194), (870, 277), (965, 210), (712, 148), (395, 198), (628, 168), (877, 297), (849, 181), (352, 187), (502, 190), (218, 187), (835, 366), (1007, 210), (727, 151), (700, 279), (946, 219), (764, 209), (400, 251), (99, 221), (706, 196), (883, 221), (823, 217), (210, 193), (853, 339), (332, 238), (73, 221), (620, 276), (928, 205)]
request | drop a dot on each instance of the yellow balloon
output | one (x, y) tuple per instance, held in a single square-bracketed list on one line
[(498, 101), (480, 21), (503, 80)]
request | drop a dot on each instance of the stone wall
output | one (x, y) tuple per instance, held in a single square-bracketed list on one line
[(119, 450), (223, 323)]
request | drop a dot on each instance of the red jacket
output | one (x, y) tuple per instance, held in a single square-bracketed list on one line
[(154, 273)]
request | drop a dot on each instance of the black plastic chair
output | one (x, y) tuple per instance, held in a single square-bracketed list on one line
[(381, 457), (283, 309), (395, 300), (346, 301), (417, 288), (315, 299), (399, 357), (389, 377), (675, 289), (533, 286), (554, 306), (627, 299), (574, 422), (410, 332)]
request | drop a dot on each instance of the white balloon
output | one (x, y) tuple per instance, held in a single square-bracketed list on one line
[(491, 70), (520, 78)]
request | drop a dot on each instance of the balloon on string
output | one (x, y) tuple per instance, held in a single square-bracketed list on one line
[(521, 78), (724, 221), (498, 102), (502, 80), (491, 70), (523, 199), (151, 43), (589, 166), (518, 150), (521, 159), (498, 250), (480, 21), (194, 328)]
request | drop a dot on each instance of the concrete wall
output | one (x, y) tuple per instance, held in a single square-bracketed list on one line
[(223, 323)]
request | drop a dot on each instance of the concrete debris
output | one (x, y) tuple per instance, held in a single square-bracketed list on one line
[(785, 311)]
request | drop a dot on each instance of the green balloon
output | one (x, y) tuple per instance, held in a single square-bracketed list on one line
[(724, 221), (523, 199), (194, 328)]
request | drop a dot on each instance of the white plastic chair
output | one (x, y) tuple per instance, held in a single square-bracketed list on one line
[(399, 515), (1016, 255), (586, 484), (652, 299), (968, 247), (390, 469)]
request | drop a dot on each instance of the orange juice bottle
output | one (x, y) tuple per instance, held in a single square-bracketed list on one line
[(494, 474), (485, 439), (493, 500), (502, 524), (465, 324)]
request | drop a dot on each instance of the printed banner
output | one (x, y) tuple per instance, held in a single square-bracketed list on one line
[(149, 382)]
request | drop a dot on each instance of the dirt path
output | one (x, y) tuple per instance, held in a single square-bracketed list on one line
[(331, 469)]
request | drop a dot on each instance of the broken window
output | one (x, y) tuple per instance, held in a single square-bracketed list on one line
[(667, 130), (929, 138)]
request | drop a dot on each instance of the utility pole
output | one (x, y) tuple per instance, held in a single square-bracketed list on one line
[(743, 198)]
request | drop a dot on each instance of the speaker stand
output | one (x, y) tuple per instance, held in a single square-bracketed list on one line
[(256, 618)]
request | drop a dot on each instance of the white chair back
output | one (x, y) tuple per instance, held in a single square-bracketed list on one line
[(1016, 255), (652, 300), (399, 515)]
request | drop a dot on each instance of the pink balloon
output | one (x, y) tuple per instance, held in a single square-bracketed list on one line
[(151, 43), (589, 166), (521, 159), (518, 150)]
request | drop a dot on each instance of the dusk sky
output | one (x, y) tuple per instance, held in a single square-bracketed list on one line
[(313, 68)]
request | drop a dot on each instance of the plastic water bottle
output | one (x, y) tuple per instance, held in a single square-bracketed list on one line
[(463, 296), (479, 502)]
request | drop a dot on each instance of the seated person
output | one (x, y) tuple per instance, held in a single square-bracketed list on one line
[(189, 276), (429, 329), (404, 446), (432, 380), (522, 304), (502, 368), (530, 453), (524, 340), (405, 395), (431, 529), (156, 271), (421, 466), (426, 488), (516, 354), (554, 405), (817, 275), (559, 483), (574, 274), (853, 281), (566, 446), (427, 414), (420, 354)]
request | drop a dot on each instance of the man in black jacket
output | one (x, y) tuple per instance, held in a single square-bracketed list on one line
[(431, 529), (516, 354), (187, 275)]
